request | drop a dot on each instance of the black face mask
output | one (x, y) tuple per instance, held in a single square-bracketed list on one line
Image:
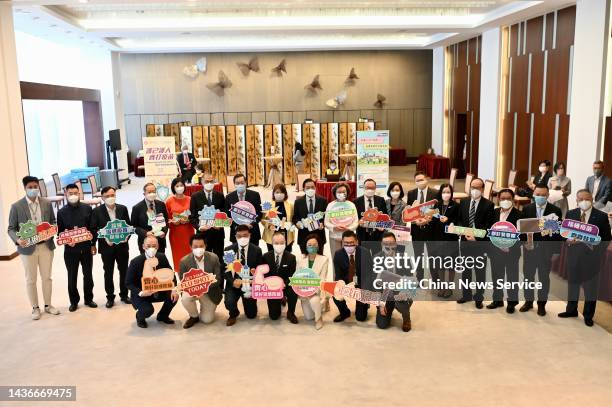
[(597, 173)]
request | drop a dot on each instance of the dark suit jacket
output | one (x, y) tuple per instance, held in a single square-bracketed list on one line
[(364, 234), (133, 277), (513, 218), (485, 215), (438, 228), (363, 266), (254, 198), (287, 268), (181, 162), (211, 265), (599, 219), (300, 211), (198, 201), (604, 191), (425, 232), (140, 221), (529, 211), (254, 259), (99, 219), (77, 216)]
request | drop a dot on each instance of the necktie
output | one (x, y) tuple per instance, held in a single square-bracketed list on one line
[(242, 256), (539, 212), (151, 207), (351, 268), (310, 206), (209, 198), (472, 213), (241, 196), (370, 203), (421, 197), (583, 217), (277, 261), (185, 158)]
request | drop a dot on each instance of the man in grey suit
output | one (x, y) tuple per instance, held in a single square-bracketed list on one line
[(39, 257), (599, 185), (208, 262)]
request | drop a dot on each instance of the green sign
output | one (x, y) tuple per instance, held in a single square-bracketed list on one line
[(116, 231)]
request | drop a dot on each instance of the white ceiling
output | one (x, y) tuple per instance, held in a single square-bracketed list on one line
[(269, 25)]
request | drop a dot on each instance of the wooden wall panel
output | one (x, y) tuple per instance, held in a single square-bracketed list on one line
[(563, 137), (150, 130), (167, 130), (518, 95), (557, 80), (307, 144), (523, 126), (232, 151), (175, 131), (214, 157), (241, 149), (221, 152), (533, 42), (566, 25), (543, 139), (288, 154), (251, 166), (268, 142), (259, 153), (196, 141), (324, 148), (537, 82), (206, 147)]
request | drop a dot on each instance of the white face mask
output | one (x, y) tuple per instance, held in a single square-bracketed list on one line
[(421, 184), (198, 252), (310, 192), (395, 194), (179, 190), (279, 196), (341, 196), (446, 196), (110, 201), (150, 252), (278, 248), (475, 193), (209, 186), (370, 192), (542, 169), (73, 199), (332, 167), (243, 241), (185, 152), (505, 204), (585, 205), (151, 196)]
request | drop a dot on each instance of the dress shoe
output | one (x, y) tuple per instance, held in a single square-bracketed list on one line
[(588, 322), (406, 325), (567, 314), (36, 314), (142, 323), (495, 304), (541, 310), (166, 320), (478, 304), (190, 322), (230, 321), (91, 304), (463, 300), (126, 300), (341, 317), (526, 306), (292, 318), (319, 324), (110, 303), (510, 308), (73, 307), (50, 309)]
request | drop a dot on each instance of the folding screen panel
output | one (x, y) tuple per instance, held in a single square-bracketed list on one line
[(251, 154), (288, 142), (214, 157), (221, 153), (259, 153), (240, 150), (232, 151)]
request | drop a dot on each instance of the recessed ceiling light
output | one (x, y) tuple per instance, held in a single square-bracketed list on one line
[(83, 1)]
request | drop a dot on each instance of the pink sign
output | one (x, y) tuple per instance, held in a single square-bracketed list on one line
[(268, 288), (196, 282)]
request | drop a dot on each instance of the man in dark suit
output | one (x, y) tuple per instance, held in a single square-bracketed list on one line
[(308, 204), (282, 264), (537, 255), (111, 253), (148, 208), (243, 194), (250, 255), (143, 300), (584, 261), (474, 212), (369, 200), (208, 197), (187, 163), (422, 231), (599, 185), (352, 264)]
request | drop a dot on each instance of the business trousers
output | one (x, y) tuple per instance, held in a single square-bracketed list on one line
[(207, 307), (334, 246), (537, 261), (361, 309), (311, 307), (121, 256), (274, 306), (419, 248), (582, 270), (505, 266), (232, 295), (144, 305), (72, 259), (473, 249), (403, 307), (41, 261)]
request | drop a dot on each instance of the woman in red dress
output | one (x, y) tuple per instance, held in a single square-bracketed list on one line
[(181, 230)]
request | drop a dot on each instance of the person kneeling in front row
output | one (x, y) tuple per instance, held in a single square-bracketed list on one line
[(209, 263), (143, 300)]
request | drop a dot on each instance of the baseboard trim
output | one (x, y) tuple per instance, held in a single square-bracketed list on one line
[(9, 257)]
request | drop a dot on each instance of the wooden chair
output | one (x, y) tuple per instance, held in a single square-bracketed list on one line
[(488, 188), (95, 189), (58, 184), (92, 201), (53, 199), (453, 177), (230, 183), (466, 191)]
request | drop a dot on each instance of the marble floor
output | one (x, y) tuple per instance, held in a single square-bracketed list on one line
[(455, 354)]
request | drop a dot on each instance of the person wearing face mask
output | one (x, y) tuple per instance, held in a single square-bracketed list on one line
[(208, 262), (282, 264), (299, 155), (199, 175), (242, 193), (584, 263), (599, 185), (313, 306), (309, 203), (341, 191), (475, 212), (560, 182), (369, 200), (38, 258), (76, 215), (352, 264), (395, 203), (180, 230), (505, 262), (187, 164), (421, 230), (215, 237), (111, 253), (333, 168), (442, 243), (149, 207), (143, 300), (250, 255), (538, 250), (542, 176), (284, 208)]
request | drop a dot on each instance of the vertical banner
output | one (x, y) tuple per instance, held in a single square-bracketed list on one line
[(186, 138), (324, 149), (259, 153), (315, 132), (232, 157), (373, 159), (159, 159), (221, 152), (288, 173), (307, 144), (214, 156), (268, 144), (332, 137), (240, 150)]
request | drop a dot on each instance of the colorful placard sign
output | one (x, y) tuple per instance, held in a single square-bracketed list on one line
[(236, 268), (341, 213), (528, 225), (163, 192), (312, 222), (375, 219), (116, 231), (157, 223), (550, 225), (503, 234), (305, 282), (154, 279), (405, 285), (584, 232), (413, 213), (33, 233), (211, 217), (181, 217), (340, 290), (465, 231), (268, 288), (402, 233), (196, 282), (243, 213), (74, 236)]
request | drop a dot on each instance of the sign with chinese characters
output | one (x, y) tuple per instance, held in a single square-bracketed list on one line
[(234, 266), (340, 290), (465, 231), (373, 159), (33, 233), (268, 288), (74, 236), (584, 232), (182, 217), (305, 282), (270, 211), (312, 222), (549, 225), (159, 160), (402, 234), (413, 213), (243, 213), (157, 223), (116, 231), (341, 214), (154, 279), (503, 234), (163, 192), (375, 219), (196, 282), (211, 217)]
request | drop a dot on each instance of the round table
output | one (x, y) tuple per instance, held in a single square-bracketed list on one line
[(275, 176), (347, 172)]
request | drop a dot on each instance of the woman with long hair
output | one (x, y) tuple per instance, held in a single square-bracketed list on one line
[(444, 244)]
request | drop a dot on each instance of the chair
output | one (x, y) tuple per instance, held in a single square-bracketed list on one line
[(58, 184), (468, 180), (511, 177), (300, 179), (453, 177), (95, 190), (92, 201), (53, 199), (488, 188), (230, 183)]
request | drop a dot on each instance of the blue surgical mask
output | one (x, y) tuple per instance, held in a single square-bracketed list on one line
[(32, 193), (312, 249), (240, 188), (540, 200)]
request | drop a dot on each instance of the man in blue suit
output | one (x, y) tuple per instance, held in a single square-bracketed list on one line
[(599, 185)]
